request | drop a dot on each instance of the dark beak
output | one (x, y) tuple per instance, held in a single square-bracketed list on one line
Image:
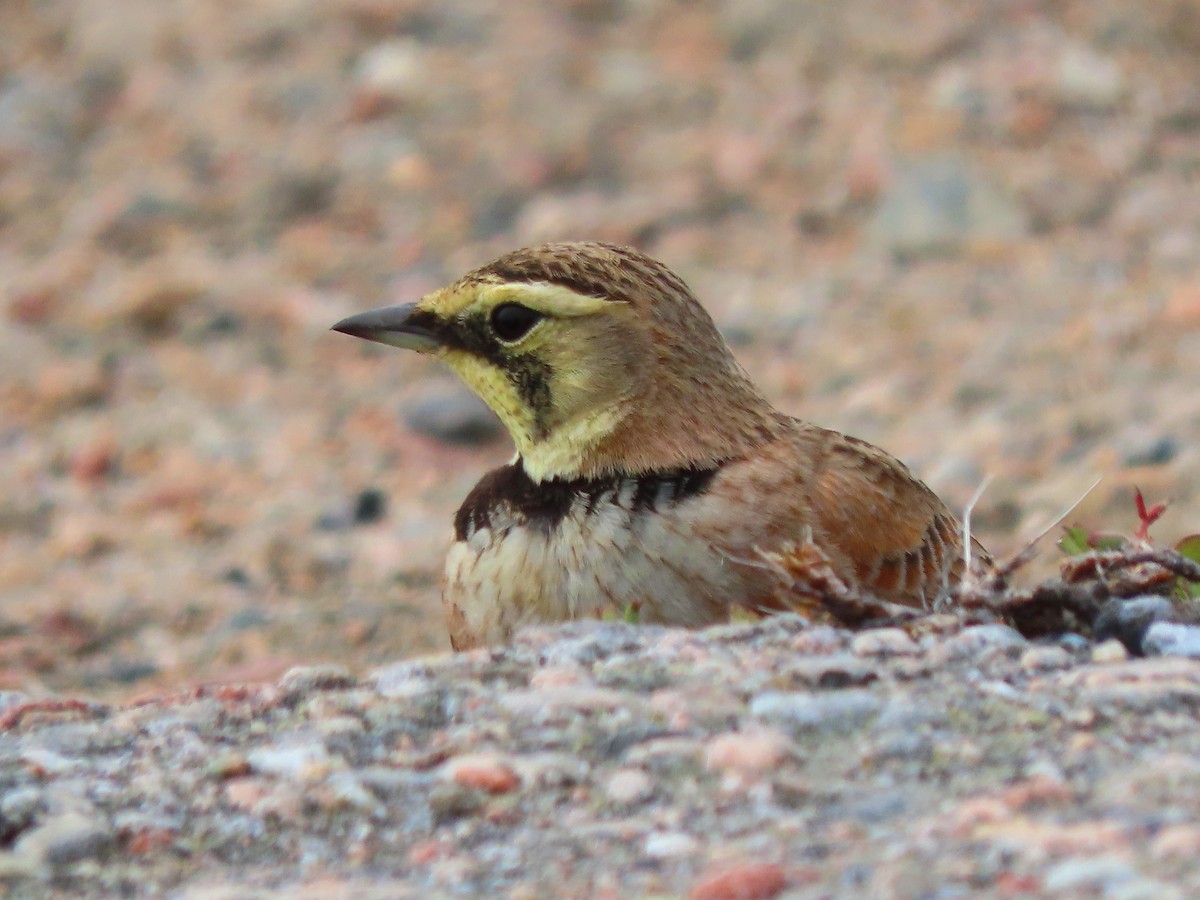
[(404, 326)]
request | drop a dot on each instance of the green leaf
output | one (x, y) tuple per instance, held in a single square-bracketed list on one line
[(1074, 541), (1106, 540), (1190, 547), (1187, 590), (631, 614)]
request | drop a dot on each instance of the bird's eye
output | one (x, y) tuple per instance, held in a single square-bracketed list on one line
[(512, 321)]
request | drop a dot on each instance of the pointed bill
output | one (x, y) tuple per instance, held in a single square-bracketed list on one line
[(406, 326)]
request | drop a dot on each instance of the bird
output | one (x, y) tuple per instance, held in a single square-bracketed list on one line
[(652, 478)]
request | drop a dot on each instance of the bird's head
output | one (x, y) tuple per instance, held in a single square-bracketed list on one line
[(598, 360)]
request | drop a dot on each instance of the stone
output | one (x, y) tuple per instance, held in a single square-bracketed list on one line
[(453, 415), (1082, 873), (549, 701), (68, 838), (670, 845), (837, 671), (1172, 639), (19, 807), (394, 69), (973, 642), (486, 772), (1086, 79), (1110, 651), (936, 204), (1150, 450), (627, 786), (304, 759), (1127, 619), (740, 881), (451, 801), (884, 642), (1040, 659), (752, 751), (246, 793), (347, 789), (309, 679), (835, 711), (370, 506)]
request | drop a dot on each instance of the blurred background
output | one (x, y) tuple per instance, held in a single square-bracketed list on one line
[(966, 231)]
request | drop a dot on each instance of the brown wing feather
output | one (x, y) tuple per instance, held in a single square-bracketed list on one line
[(899, 540)]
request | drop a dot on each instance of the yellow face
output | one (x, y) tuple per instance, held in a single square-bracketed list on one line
[(557, 367), (597, 358)]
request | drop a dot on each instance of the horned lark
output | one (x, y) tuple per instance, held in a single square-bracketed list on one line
[(651, 473)]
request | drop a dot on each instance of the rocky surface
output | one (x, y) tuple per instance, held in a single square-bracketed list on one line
[(609, 760), (967, 231)]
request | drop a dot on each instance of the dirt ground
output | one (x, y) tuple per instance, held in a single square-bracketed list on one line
[(966, 231)]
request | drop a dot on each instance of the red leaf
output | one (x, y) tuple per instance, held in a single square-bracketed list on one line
[(1147, 516)]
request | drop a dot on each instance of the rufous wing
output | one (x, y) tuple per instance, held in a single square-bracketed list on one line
[(891, 531)]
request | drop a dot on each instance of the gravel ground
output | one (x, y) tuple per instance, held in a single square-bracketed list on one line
[(609, 760), (967, 231)]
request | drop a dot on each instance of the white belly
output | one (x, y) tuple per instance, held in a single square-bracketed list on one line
[(595, 563)]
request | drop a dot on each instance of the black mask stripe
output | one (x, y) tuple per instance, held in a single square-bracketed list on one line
[(528, 374)]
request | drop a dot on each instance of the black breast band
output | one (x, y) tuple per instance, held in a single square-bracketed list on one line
[(510, 492)]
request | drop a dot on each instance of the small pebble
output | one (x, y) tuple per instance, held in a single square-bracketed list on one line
[(1157, 451), (627, 786), (403, 681), (425, 852), (394, 68), (1087, 79), (93, 461), (975, 641), (559, 676), (587, 643), (1111, 651), (246, 793), (453, 415), (1090, 872), (19, 806), (935, 203), (1141, 888), (49, 762), (370, 506), (229, 764), (1073, 643), (582, 697), (1176, 841), (666, 751), (453, 801), (482, 771), (303, 760), (309, 679), (67, 838), (347, 789), (670, 845), (1040, 659), (1172, 639), (744, 881), (820, 640), (1127, 619), (839, 670), (757, 750), (884, 642), (839, 710)]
